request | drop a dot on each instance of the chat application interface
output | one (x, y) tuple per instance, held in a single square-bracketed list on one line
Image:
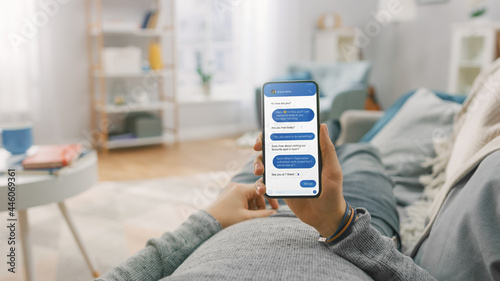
[(291, 144)]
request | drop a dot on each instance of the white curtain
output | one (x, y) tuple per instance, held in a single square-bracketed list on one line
[(18, 61), (265, 30), (272, 37)]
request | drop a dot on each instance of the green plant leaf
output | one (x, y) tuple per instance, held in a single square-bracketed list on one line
[(478, 13)]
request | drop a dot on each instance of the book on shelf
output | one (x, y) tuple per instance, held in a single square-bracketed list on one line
[(146, 19), (150, 20)]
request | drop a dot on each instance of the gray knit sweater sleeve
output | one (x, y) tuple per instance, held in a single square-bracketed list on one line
[(376, 255), (163, 255)]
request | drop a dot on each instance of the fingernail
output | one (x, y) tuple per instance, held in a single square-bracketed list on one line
[(259, 187), (255, 167)]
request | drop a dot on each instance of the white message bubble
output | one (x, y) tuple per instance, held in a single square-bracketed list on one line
[(283, 127), (287, 174), (289, 147), (279, 103)]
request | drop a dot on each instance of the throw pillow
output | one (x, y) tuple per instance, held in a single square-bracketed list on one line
[(407, 140)]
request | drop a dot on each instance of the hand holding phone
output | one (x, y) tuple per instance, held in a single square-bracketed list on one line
[(325, 212)]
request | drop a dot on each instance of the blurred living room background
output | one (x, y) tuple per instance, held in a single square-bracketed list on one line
[(167, 94)]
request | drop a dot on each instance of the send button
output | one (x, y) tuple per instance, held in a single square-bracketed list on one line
[(307, 183)]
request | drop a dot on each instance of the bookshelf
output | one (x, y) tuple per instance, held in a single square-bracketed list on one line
[(147, 85), (474, 46)]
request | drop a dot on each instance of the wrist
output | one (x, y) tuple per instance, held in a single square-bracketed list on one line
[(332, 221), (215, 214), (344, 228)]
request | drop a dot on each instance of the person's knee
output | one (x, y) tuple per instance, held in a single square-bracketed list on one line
[(348, 151)]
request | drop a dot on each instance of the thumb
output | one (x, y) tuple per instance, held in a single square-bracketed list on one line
[(253, 214), (330, 163)]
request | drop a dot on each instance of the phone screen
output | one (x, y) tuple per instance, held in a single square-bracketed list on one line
[(290, 139)]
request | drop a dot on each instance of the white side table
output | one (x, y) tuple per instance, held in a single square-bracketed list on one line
[(36, 190)]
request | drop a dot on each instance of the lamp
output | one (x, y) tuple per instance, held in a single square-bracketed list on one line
[(400, 10)]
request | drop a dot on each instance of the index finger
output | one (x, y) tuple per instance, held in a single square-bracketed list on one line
[(261, 190), (258, 143)]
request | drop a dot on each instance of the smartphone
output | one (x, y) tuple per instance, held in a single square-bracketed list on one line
[(290, 143)]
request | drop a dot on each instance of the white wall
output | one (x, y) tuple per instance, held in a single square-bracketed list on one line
[(423, 54), (422, 46), (424, 49)]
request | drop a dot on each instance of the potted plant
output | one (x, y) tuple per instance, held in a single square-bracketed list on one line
[(206, 76), (478, 9)]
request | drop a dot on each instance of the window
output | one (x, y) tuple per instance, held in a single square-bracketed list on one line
[(207, 38)]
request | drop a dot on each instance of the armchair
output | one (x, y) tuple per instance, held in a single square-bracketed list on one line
[(355, 124)]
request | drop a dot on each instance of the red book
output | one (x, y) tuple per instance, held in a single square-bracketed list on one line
[(53, 156)]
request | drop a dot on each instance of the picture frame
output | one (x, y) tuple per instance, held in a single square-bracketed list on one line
[(430, 2)]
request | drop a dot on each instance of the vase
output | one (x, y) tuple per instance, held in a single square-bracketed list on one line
[(206, 89)]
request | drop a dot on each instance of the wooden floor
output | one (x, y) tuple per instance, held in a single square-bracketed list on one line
[(171, 160)]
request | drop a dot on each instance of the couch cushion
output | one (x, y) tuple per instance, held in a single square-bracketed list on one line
[(407, 140), (464, 242)]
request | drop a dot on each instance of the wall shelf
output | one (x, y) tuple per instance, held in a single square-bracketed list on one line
[(129, 32), (135, 142), (470, 64), (132, 108), (165, 72)]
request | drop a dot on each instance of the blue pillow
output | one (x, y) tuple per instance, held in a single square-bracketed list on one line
[(297, 75), (394, 108)]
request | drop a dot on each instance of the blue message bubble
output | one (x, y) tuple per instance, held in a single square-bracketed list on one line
[(292, 136), (308, 183), (293, 115), (305, 161)]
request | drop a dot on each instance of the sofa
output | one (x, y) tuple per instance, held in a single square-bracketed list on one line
[(442, 153), (342, 85), (449, 205)]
